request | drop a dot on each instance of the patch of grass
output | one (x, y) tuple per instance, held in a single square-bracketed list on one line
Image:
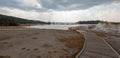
[(27, 49), (23, 48), (34, 38), (5, 42), (73, 41), (55, 51), (101, 34), (4, 38), (113, 34), (36, 33), (46, 46), (49, 52), (5, 57), (116, 35), (39, 56), (9, 27), (75, 54), (66, 50), (91, 27), (35, 49), (5, 45)]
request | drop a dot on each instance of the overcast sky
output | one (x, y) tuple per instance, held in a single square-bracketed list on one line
[(62, 10)]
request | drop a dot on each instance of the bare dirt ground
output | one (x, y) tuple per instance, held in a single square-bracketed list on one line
[(39, 43)]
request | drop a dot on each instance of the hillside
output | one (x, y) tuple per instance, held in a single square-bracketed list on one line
[(14, 21)]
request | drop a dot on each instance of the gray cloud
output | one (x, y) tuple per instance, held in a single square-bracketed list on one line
[(8, 3), (108, 11), (56, 4), (20, 5), (74, 4)]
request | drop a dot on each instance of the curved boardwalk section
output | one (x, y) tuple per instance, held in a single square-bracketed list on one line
[(96, 47)]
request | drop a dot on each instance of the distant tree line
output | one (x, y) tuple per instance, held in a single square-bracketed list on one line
[(95, 22), (115, 22), (7, 21), (89, 22), (13, 21)]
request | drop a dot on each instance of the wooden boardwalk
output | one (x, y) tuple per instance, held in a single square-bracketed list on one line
[(96, 47)]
